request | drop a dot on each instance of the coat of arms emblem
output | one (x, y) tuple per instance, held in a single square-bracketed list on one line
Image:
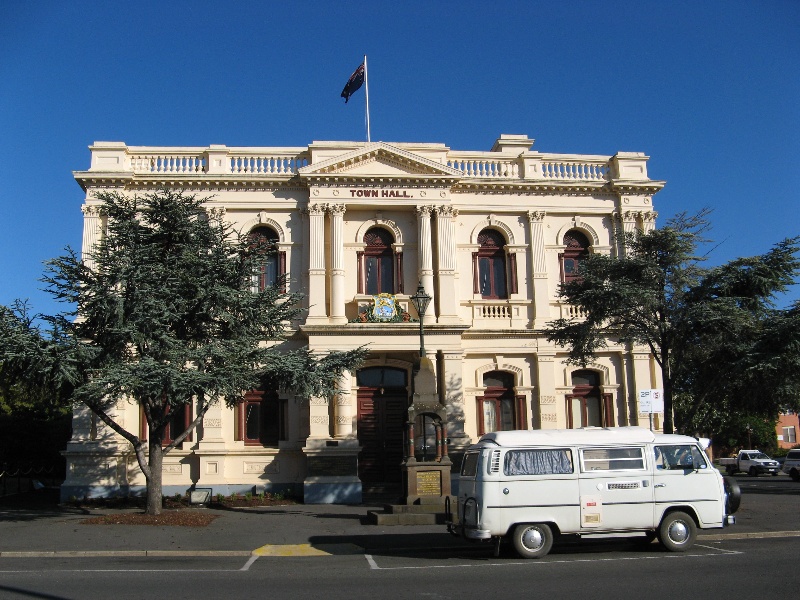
[(384, 307)]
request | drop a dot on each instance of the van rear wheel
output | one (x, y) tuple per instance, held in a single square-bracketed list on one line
[(532, 540), (677, 531)]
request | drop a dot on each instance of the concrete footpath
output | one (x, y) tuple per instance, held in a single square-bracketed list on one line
[(34, 525)]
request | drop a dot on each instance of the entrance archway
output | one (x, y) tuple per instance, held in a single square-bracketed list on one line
[(382, 399)]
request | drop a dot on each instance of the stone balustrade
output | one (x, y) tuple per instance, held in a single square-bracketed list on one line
[(487, 165), (527, 166), (170, 162), (484, 165), (259, 162)]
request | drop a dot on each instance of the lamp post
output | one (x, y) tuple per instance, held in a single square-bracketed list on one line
[(421, 300)]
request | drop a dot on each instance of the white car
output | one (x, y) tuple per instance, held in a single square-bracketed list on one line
[(791, 466)]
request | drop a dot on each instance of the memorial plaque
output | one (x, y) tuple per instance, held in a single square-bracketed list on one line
[(429, 483), (332, 466)]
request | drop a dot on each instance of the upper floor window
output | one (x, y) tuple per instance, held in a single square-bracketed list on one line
[(489, 267), (577, 249), (272, 267), (380, 267)]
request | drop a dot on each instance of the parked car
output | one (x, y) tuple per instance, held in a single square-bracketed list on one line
[(791, 465), (752, 462)]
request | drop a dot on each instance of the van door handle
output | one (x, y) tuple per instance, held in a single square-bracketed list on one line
[(660, 485)]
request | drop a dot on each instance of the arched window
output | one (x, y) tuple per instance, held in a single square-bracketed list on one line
[(273, 265), (380, 268), (577, 249), (489, 267), (499, 409), (587, 406)]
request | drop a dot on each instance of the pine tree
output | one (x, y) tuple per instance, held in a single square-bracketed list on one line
[(162, 312), (710, 330)]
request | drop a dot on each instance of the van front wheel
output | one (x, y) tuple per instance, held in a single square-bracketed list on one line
[(533, 540), (677, 532)]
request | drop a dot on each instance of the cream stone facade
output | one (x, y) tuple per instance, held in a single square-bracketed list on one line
[(489, 235)]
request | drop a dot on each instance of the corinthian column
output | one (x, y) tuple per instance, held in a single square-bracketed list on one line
[(446, 255), (426, 258), (316, 263), (337, 264)]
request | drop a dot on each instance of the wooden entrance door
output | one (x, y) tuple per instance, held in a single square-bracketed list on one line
[(382, 414)]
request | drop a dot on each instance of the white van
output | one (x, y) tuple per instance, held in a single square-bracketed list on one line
[(530, 486)]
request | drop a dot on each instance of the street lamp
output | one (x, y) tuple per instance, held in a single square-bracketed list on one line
[(421, 300)]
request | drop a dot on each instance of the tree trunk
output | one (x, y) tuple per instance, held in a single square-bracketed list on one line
[(155, 460), (667, 377)]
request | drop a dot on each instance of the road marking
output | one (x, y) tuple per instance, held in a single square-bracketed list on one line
[(718, 552), (746, 536), (307, 550)]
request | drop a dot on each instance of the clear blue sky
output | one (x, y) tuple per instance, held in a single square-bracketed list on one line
[(709, 90)]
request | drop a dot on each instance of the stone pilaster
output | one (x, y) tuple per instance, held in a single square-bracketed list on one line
[(451, 387), (539, 279), (319, 417), (337, 264), (343, 407), (548, 404), (316, 272), (426, 259), (93, 224), (446, 264), (648, 221)]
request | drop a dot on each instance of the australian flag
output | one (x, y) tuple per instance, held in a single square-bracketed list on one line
[(356, 81)]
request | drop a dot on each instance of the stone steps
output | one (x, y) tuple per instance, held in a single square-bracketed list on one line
[(424, 513)]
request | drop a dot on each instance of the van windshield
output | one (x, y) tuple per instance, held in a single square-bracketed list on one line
[(555, 461)]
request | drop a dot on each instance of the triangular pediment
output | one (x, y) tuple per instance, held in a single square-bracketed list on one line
[(379, 160)]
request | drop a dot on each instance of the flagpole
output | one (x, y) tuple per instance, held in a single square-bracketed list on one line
[(366, 84)]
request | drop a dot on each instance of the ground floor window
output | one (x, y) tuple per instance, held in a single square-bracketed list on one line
[(261, 418), (179, 418), (499, 409), (587, 405)]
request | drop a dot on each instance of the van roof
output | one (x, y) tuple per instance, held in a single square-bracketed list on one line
[(561, 437)]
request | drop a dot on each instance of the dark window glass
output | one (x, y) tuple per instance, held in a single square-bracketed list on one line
[(381, 377), (177, 424), (469, 468), (585, 378), (263, 418)]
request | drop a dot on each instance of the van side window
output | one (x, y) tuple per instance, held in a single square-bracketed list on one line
[(683, 456), (612, 459), (469, 467), (538, 462)]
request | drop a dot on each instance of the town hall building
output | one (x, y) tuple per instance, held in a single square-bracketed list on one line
[(361, 228)]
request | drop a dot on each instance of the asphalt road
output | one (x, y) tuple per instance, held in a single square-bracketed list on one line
[(753, 559)]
